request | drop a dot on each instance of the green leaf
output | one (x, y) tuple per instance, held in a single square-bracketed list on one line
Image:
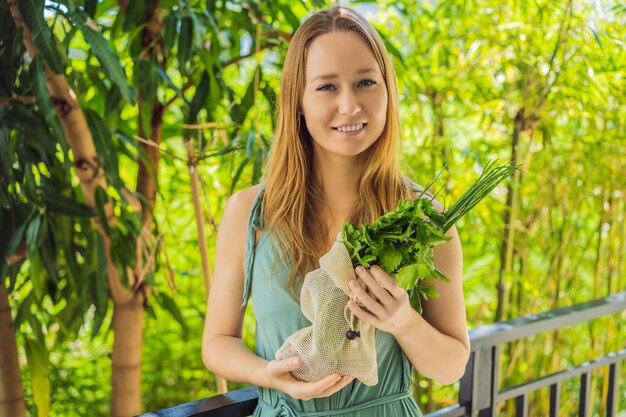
[(104, 146), (407, 275), (102, 50), (6, 176), (38, 83), (169, 34), (102, 199), (13, 56), (39, 368), (38, 277), (199, 98), (112, 99), (59, 203), (294, 22), (185, 41), (169, 305), (233, 185), (169, 82), (32, 235), (239, 111), (32, 13), (135, 15)]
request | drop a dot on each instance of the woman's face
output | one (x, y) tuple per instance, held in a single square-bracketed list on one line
[(345, 96)]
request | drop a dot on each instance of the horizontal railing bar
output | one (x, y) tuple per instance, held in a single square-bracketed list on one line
[(536, 384), (521, 327), (239, 402), (452, 411)]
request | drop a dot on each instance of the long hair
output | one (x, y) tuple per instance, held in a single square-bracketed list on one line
[(293, 196)]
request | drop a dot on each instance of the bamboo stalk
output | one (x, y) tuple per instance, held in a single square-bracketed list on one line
[(222, 384)]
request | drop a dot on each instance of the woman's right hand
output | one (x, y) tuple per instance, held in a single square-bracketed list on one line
[(279, 378)]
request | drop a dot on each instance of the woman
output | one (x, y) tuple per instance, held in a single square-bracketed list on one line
[(335, 157)]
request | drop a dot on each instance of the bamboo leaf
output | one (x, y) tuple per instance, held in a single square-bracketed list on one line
[(32, 235), (38, 83), (199, 98), (233, 185), (135, 15), (169, 82), (112, 99), (59, 203), (185, 40), (102, 50), (104, 146), (38, 276), (294, 22), (170, 306), (239, 111), (169, 34), (32, 13), (101, 200), (39, 368), (13, 56)]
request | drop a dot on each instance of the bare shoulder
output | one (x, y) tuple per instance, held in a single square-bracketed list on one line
[(240, 203), (232, 231)]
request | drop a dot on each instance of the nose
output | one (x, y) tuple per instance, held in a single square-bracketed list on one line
[(349, 103)]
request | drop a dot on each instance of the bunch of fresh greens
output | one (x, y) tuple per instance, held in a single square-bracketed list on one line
[(402, 241)]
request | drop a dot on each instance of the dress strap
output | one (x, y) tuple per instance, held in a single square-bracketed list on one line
[(255, 222)]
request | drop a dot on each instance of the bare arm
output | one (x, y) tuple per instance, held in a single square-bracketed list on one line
[(437, 342), (223, 351)]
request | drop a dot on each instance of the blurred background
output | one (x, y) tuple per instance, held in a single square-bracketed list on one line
[(126, 125)]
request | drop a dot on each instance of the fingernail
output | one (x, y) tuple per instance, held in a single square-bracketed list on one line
[(360, 269), (352, 284), (294, 362)]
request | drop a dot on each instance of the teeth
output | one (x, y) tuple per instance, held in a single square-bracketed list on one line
[(352, 128)]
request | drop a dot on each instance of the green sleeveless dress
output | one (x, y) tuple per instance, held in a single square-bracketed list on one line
[(278, 315)]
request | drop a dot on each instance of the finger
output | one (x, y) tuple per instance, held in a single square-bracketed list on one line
[(277, 367), (313, 389), (387, 281), (364, 298), (345, 380), (378, 288), (363, 315)]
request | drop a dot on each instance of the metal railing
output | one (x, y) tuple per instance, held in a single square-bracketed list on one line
[(479, 391)]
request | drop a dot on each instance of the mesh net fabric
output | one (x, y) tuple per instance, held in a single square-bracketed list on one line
[(323, 346)]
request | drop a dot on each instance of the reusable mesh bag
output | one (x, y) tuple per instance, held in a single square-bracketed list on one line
[(337, 341)]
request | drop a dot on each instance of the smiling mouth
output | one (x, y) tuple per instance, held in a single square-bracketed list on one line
[(350, 128)]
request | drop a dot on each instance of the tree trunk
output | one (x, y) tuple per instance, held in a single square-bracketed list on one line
[(440, 150), (222, 385), (126, 358), (510, 214), (127, 346), (11, 390)]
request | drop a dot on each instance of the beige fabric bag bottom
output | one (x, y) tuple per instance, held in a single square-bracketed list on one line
[(323, 346)]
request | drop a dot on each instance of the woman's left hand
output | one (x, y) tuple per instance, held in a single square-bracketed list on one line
[(392, 312)]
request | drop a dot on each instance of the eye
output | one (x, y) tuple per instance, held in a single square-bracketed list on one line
[(366, 83), (326, 87)]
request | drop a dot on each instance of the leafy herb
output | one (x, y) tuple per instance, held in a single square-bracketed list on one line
[(402, 241)]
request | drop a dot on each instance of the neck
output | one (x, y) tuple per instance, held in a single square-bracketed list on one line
[(339, 177)]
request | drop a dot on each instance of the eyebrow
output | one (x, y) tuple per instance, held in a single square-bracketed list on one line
[(331, 76)]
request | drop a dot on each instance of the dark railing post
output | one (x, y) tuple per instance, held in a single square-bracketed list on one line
[(480, 383)]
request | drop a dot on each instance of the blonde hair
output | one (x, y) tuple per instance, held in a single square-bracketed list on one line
[(293, 197)]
